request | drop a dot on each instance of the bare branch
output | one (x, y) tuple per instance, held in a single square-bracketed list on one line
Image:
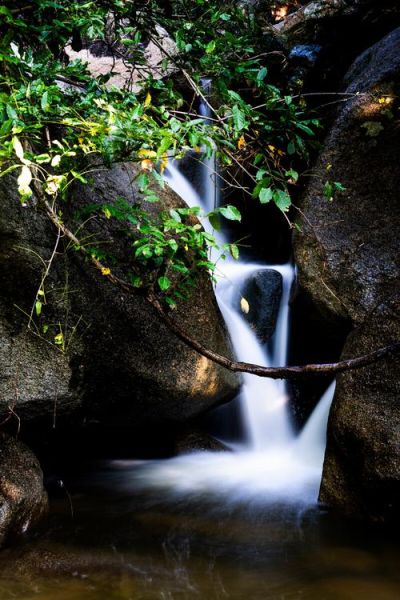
[(294, 372)]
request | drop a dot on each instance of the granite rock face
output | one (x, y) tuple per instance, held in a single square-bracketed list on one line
[(121, 365), (349, 264), (23, 500)]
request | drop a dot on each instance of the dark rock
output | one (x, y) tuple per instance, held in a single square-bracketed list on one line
[(23, 500), (263, 292), (121, 366), (362, 465), (348, 264)]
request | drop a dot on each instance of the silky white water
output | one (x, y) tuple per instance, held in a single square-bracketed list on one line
[(273, 464)]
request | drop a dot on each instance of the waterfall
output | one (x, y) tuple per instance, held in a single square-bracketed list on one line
[(273, 463)]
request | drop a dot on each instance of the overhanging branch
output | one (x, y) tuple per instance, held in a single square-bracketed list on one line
[(290, 372)]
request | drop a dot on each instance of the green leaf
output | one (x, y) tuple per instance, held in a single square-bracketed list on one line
[(171, 303), (262, 73), (339, 186), (44, 103), (136, 281), (164, 283), (78, 176), (230, 212), (239, 118), (305, 128), (328, 190), (211, 47), (214, 220), (6, 127), (159, 178), (38, 307), (11, 112), (265, 195), (142, 181), (234, 250), (282, 200), (293, 175), (175, 215)]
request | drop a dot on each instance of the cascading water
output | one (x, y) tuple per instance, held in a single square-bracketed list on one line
[(273, 463)]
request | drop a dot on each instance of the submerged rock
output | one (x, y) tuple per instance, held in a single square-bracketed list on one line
[(121, 365), (348, 263), (23, 500)]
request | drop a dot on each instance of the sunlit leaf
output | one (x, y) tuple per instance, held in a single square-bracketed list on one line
[(230, 212), (244, 305)]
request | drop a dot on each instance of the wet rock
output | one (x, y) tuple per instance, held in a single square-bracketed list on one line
[(121, 365), (348, 264), (262, 292), (23, 500)]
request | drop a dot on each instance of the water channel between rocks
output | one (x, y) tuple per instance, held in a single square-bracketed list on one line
[(211, 525)]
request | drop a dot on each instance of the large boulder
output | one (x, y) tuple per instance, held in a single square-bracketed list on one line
[(362, 465), (348, 260), (121, 365), (23, 500)]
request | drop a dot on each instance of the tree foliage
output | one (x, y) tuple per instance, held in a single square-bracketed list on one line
[(58, 121)]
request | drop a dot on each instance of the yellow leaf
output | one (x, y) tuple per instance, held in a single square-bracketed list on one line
[(148, 99), (244, 305), (144, 153), (147, 165), (59, 339), (271, 148), (105, 271), (163, 164), (241, 142)]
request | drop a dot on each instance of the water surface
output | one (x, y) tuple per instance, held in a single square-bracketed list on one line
[(128, 542)]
